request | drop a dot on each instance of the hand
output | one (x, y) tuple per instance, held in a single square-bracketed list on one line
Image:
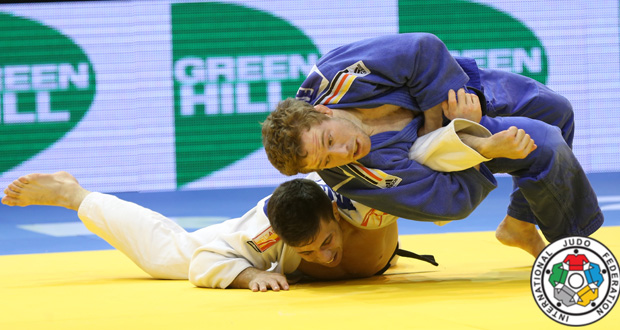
[(260, 280), (467, 106), (266, 280), (512, 143)]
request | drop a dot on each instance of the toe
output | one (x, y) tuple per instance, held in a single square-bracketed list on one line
[(18, 183), (11, 192), (14, 188), (24, 179), (6, 200)]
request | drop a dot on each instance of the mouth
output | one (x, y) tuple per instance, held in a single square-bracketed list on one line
[(333, 258)]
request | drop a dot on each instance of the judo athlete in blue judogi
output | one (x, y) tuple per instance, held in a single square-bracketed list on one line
[(372, 79)]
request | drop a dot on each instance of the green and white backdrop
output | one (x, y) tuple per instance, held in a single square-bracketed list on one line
[(165, 95)]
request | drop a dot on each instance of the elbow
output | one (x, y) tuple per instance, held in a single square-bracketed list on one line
[(462, 214), (454, 213), (197, 279), (428, 39)]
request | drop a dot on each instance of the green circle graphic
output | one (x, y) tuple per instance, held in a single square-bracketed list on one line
[(231, 65), (47, 85), (494, 38)]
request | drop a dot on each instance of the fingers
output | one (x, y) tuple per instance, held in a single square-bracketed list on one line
[(522, 142), (283, 283), (275, 283), (512, 130), (466, 98), (474, 99), (461, 104), (462, 96), (451, 100), (278, 283), (254, 286), (323, 109)]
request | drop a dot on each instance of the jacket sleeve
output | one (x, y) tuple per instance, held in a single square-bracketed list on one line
[(217, 265), (417, 62), (410, 190), (443, 150), (236, 245), (357, 214)]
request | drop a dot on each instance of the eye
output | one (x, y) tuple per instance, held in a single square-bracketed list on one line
[(327, 160), (330, 140)]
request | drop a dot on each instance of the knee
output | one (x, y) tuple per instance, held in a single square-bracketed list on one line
[(560, 110)]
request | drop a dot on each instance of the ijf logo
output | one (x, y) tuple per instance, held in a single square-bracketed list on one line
[(575, 281)]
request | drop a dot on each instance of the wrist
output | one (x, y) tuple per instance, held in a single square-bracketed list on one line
[(474, 142), (242, 281)]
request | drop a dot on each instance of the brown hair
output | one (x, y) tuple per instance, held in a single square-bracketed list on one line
[(296, 209), (282, 134)]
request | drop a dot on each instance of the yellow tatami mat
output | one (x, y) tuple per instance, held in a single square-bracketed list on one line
[(479, 284)]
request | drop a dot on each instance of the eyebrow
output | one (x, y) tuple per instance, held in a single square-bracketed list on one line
[(311, 251), (317, 146)]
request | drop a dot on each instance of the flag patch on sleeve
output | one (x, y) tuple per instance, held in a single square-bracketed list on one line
[(263, 241)]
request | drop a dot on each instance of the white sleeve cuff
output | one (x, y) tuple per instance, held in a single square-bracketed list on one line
[(442, 149)]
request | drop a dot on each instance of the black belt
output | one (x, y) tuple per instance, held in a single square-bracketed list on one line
[(408, 254)]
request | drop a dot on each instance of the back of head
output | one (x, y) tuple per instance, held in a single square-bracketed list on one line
[(296, 209), (282, 132)]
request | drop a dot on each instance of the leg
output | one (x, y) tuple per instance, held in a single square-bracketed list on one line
[(155, 243), (521, 234), (558, 196), (517, 232), (510, 94)]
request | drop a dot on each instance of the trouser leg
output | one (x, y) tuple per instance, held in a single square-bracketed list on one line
[(554, 191), (155, 243), (510, 94)]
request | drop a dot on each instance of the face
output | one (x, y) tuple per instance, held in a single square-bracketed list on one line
[(326, 249), (335, 142)]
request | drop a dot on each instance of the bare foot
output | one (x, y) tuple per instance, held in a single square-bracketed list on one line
[(58, 189), (521, 234)]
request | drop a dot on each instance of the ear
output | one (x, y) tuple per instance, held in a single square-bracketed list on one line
[(324, 110), (336, 211)]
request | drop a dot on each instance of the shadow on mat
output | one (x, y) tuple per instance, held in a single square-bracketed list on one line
[(425, 281)]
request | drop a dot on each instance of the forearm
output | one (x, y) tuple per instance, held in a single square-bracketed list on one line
[(512, 143), (474, 142)]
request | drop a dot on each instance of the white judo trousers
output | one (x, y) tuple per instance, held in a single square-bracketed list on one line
[(155, 243)]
